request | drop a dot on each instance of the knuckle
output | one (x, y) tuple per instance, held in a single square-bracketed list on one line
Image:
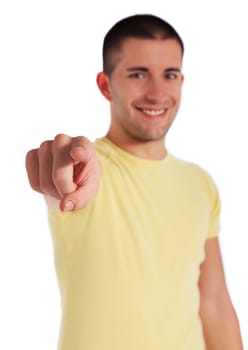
[(58, 137), (61, 139), (30, 156), (81, 138), (45, 144), (30, 153), (44, 147), (81, 141)]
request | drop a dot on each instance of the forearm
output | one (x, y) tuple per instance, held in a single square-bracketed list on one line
[(220, 326)]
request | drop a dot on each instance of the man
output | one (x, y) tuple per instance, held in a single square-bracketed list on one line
[(136, 235)]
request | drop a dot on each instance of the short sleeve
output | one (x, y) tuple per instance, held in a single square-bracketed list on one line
[(215, 209)]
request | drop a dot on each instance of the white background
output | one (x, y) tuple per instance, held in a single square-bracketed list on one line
[(50, 53)]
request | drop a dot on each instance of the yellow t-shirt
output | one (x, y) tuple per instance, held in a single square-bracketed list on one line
[(128, 264)]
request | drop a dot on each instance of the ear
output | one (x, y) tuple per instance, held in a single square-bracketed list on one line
[(182, 79), (103, 84)]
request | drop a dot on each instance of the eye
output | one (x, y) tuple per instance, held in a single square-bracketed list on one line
[(137, 75), (172, 75)]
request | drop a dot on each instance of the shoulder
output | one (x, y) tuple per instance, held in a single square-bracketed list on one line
[(197, 173), (191, 167), (103, 148)]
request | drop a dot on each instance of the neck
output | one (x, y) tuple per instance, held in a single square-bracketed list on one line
[(153, 150)]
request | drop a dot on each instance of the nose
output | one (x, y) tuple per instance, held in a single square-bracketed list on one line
[(157, 93)]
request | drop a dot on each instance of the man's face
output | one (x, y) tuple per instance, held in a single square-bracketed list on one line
[(145, 88)]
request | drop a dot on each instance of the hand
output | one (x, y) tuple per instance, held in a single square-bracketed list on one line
[(66, 168)]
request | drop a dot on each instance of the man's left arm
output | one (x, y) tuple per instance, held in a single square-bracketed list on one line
[(219, 320)]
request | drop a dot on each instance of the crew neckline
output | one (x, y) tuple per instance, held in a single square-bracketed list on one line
[(132, 158)]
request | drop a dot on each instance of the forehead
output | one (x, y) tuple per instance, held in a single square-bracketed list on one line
[(145, 52)]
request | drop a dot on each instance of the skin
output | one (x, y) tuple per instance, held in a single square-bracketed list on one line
[(147, 80), (219, 319), (66, 170), (144, 93)]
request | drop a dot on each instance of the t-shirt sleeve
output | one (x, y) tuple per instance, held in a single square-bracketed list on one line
[(215, 208)]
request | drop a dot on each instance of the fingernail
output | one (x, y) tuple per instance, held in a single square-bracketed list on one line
[(69, 206)]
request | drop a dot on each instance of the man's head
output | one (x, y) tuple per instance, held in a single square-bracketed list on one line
[(142, 80), (137, 26)]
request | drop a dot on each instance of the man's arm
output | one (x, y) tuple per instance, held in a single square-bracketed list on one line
[(65, 170), (220, 323)]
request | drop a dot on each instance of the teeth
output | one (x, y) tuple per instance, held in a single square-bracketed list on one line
[(153, 112)]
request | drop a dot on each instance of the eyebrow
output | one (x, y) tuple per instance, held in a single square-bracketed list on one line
[(144, 69), (173, 69)]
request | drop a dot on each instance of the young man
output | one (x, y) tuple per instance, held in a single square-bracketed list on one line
[(136, 235)]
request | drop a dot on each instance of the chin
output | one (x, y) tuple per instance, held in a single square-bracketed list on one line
[(149, 137)]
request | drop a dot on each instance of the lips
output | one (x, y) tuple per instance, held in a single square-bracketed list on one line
[(152, 112)]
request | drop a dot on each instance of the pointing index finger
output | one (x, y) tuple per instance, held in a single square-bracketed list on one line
[(62, 170)]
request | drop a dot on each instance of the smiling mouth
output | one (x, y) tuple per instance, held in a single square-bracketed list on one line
[(153, 112)]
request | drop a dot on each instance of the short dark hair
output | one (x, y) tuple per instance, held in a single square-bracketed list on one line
[(137, 26)]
